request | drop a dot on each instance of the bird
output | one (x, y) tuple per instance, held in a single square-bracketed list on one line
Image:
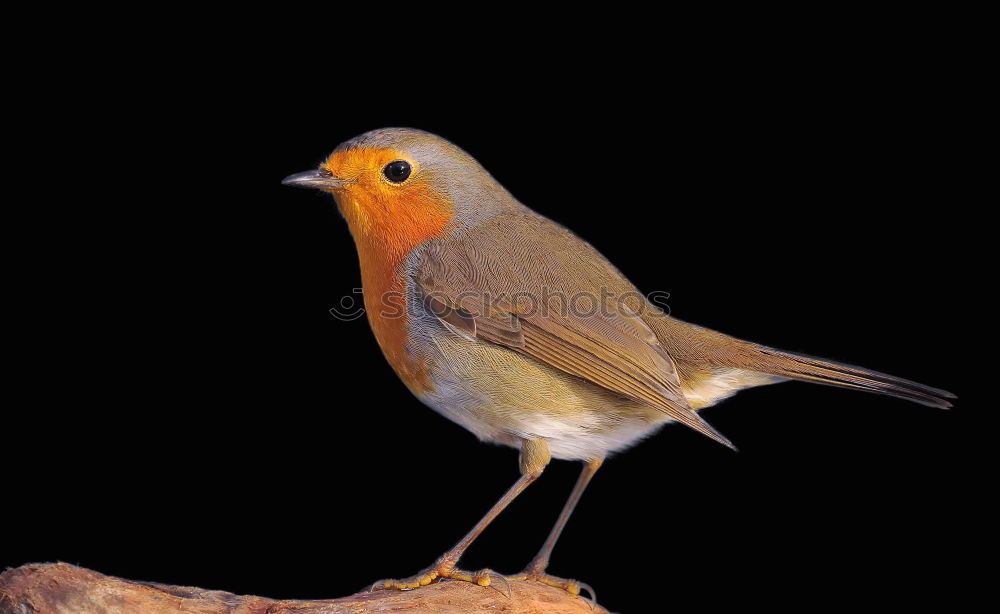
[(510, 325)]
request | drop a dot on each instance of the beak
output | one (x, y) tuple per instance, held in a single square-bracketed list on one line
[(319, 179)]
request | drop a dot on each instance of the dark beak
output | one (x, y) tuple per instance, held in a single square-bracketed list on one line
[(319, 178)]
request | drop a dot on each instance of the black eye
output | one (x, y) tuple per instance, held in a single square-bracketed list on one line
[(397, 171)]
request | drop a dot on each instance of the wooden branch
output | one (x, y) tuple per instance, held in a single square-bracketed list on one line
[(59, 588)]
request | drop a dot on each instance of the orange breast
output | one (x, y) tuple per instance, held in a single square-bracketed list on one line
[(386, 303), (387, 223)]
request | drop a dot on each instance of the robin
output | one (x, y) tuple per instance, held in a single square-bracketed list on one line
[(515, 328)]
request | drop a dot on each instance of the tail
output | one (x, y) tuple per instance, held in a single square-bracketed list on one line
[(722, 350), (820, 371)]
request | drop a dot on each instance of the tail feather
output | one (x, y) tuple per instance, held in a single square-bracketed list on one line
[(697, 350), (821, 371)]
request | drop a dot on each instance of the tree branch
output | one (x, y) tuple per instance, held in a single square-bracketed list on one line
[(60, 588)]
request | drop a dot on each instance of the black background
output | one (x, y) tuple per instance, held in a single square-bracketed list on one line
[(188, 411)]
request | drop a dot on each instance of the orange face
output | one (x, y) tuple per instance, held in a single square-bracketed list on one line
[(392, 212)]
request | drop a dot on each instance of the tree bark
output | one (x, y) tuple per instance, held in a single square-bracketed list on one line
[(58, 588)]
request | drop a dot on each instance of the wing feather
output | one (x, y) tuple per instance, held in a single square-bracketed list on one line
[(472, 285)]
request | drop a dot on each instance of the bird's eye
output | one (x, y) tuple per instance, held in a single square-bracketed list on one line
[(397, 171)]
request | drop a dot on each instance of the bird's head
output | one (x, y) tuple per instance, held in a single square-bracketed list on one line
[(398, 187)]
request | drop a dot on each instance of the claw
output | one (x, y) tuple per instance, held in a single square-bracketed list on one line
[(502, 580), (593, 595), (573, 587)]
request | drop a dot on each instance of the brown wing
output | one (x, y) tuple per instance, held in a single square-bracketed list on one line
[(527, 284)]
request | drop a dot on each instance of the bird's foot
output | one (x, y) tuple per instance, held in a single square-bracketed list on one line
[(446, 570), (573, 587)]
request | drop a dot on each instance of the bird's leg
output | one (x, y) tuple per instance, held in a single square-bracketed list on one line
[(534, 457), (535, 571)]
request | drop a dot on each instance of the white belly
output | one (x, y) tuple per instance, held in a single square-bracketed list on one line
[(503, 396)]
